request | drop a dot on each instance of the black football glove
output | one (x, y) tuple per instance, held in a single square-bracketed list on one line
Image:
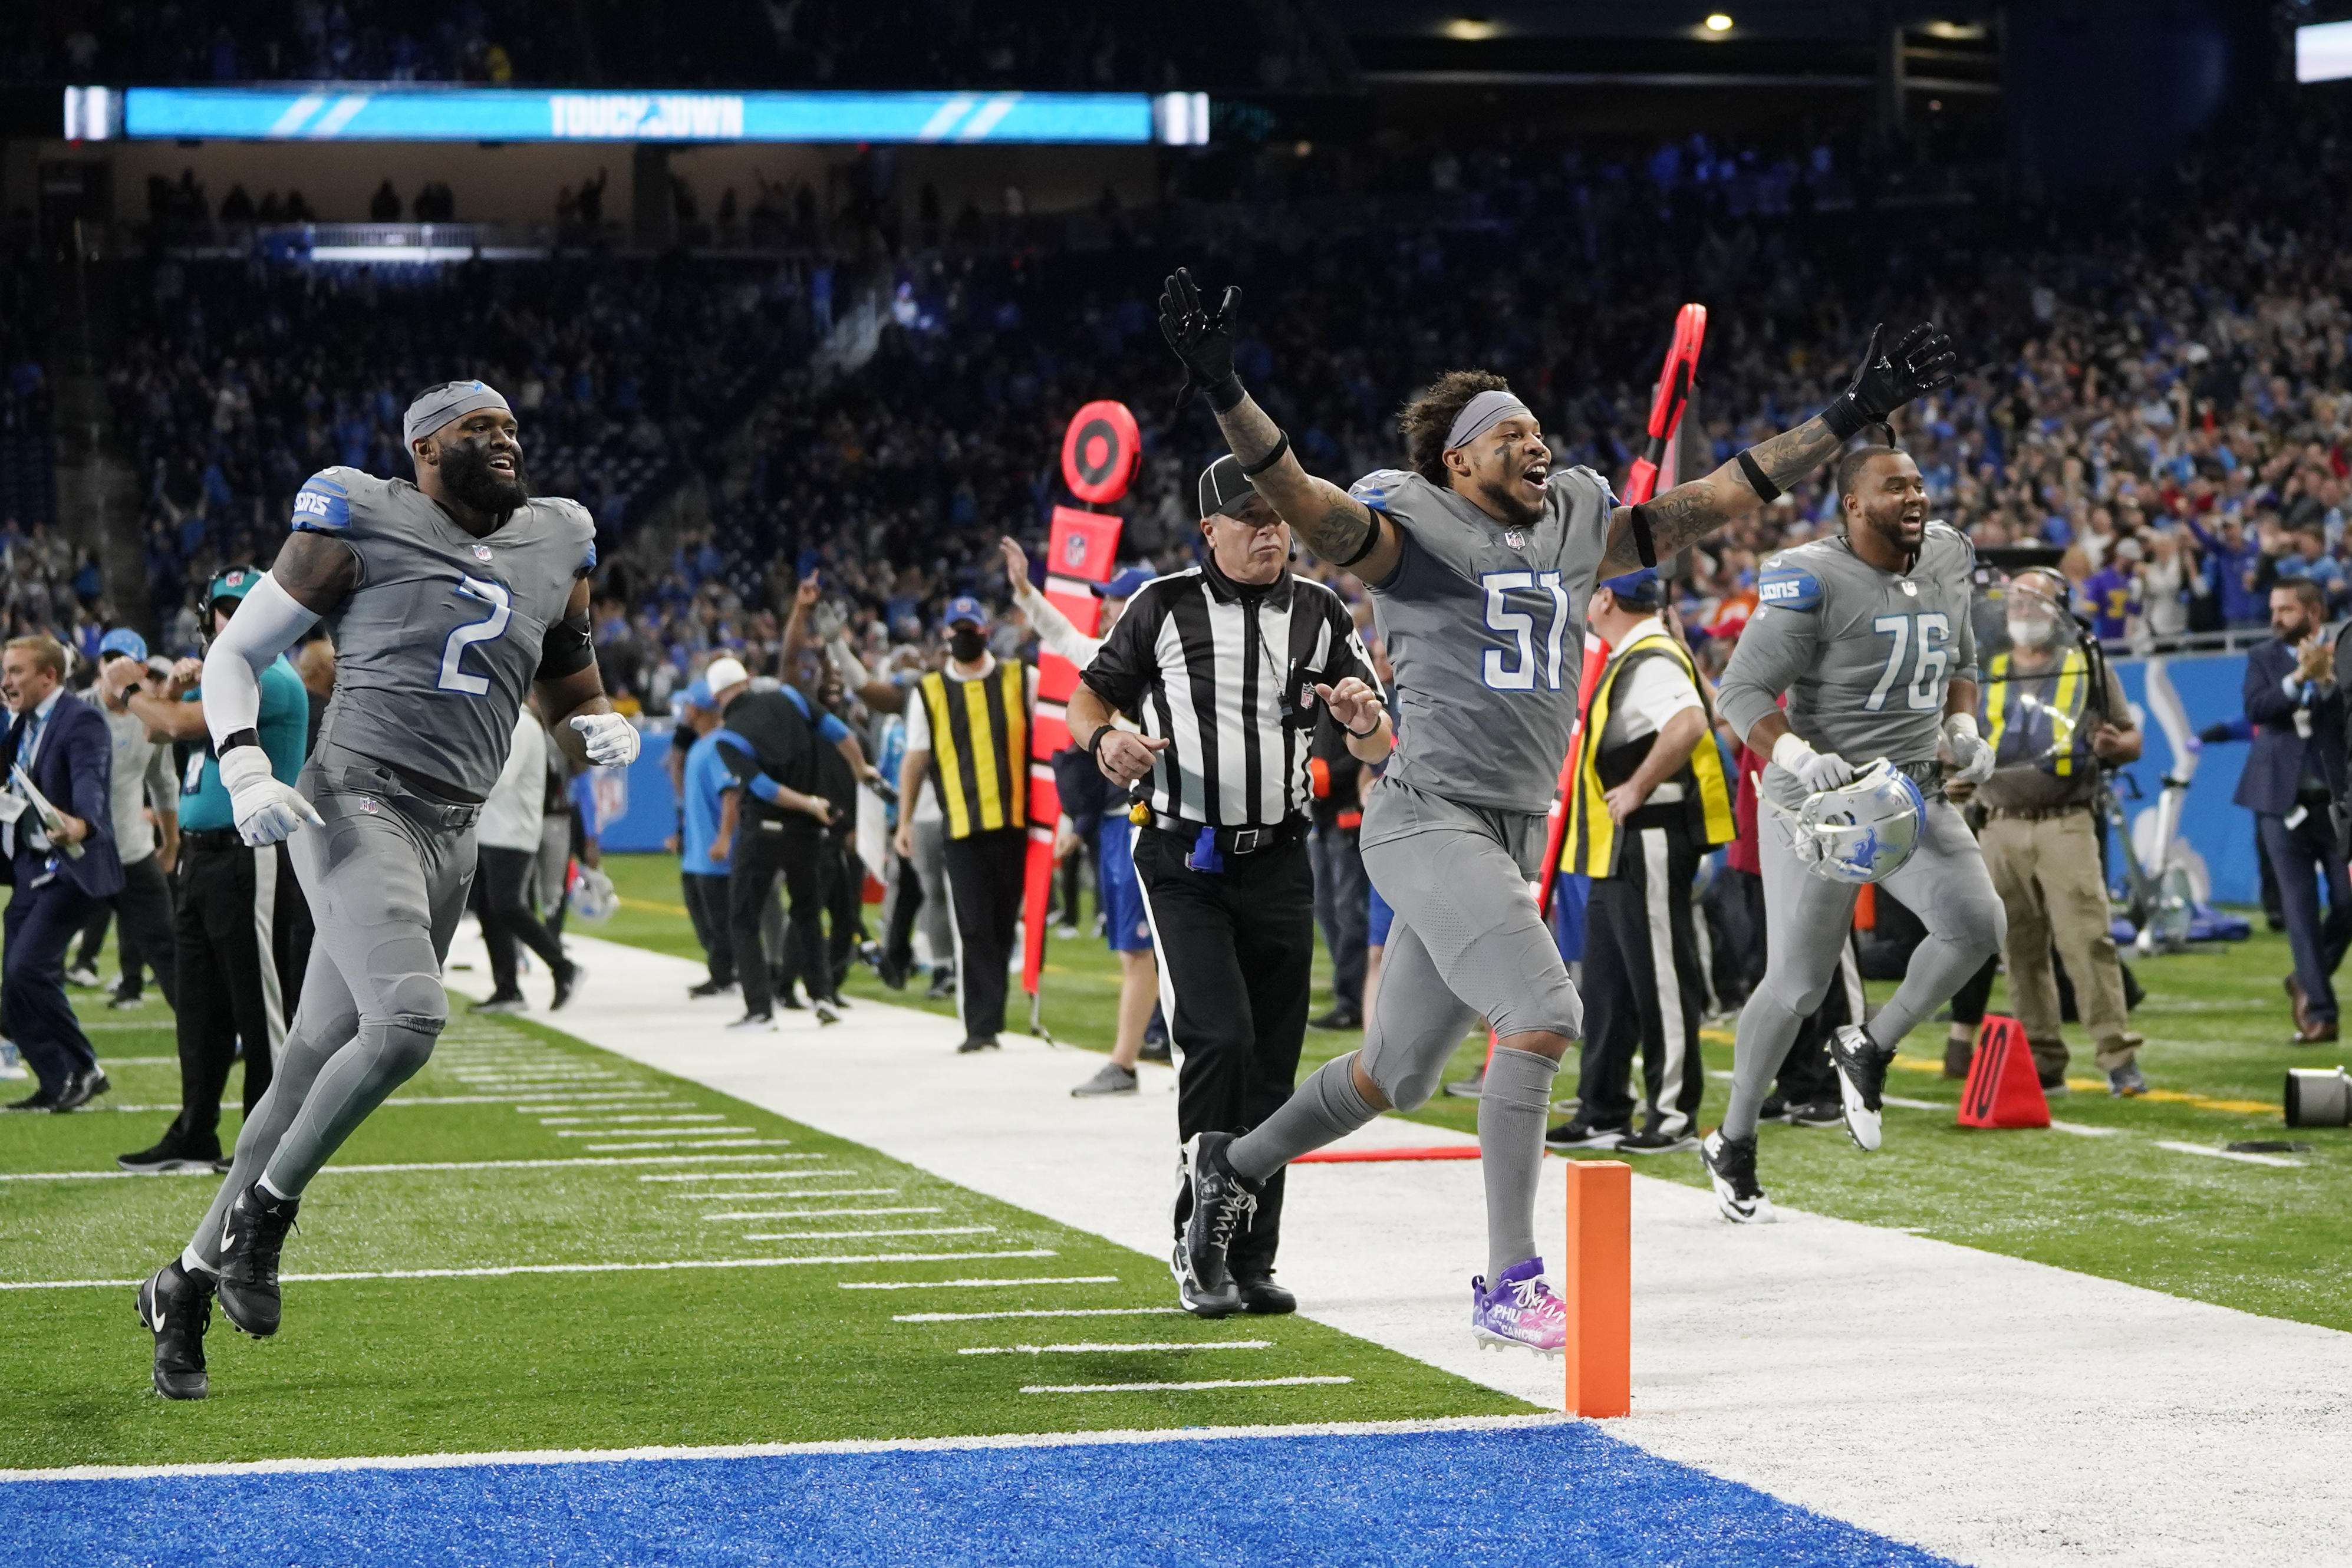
[(1203, 339), (1920, 362)]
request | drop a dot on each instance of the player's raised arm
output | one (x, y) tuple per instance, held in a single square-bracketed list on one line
[(1887, 379), (1333, 524)]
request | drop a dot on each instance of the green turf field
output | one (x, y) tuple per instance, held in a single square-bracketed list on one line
[(607, 1357), (2264, 1239)]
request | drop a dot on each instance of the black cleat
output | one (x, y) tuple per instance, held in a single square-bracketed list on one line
[(81, 1089), (1583, 1134), (708, 989), (1861, 1066), (567, 985), (1216, 1204), (1731, 1170), (176, 1150), (176, 1307), (252, 1235), (978, 1043), (1261, 1297)]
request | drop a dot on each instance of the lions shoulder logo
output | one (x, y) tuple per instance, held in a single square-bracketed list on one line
[(1788, 586)]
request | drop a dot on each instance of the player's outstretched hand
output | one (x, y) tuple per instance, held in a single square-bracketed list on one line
[(1816, 770), (1920, 361), (267, 811), (1203, 339), (611, 739), (1973, 757)]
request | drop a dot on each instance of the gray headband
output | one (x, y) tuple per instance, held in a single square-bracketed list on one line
[(1482, 414), (451, 400)]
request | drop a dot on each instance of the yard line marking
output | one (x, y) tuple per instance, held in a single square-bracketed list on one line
[(137, 1061), (755, 1175), (781, 1450), (529, 1105), (502, 1271), (738, 1176), (1033, 1312), (803, 1193), (1173, 1388), (646, 1132), (453, 1166), (863, 1235), (620, 1121), (938, 1284), (2275, 1160), (674, 1144), (1912, 1104), (2081, 1129), (400, 1100), (811, 1213), (1106, 1350)]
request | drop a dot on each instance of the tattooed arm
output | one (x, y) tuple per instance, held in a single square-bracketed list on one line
[(1687, 513), (1327, 519)]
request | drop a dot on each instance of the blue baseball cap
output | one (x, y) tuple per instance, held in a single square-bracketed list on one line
[(1643, 589), (699, 696), (124, 641), (1125, 583), (961, 608)]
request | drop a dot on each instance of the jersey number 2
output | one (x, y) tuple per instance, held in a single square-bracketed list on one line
[(490, 628), (1926, 691)]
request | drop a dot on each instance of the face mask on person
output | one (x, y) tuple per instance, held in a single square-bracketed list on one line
[(967, 645), (2036, 632)]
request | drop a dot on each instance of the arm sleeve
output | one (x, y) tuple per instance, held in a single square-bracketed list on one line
[(1776, 649), (1125, 667), (265, 625), (736, 752), (1054, 632), (829, 726)]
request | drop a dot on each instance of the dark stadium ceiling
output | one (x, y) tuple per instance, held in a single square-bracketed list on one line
[(1844, 21)]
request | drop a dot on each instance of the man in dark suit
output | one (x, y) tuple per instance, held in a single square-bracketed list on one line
[(60, 865), (2294, 775)]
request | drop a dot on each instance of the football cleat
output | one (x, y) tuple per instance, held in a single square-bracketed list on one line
[(708, 989), (1261, 1297), (176, 1150), (1656, 1142), (1861, 1073), (253, 1233), (1520, 1311), (177, 1306), (1220, 1206), (567, 985), (753, 1024), (1580, 1133), (1731, 1171)]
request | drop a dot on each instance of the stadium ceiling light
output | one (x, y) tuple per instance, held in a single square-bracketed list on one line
[(1471, 29), (1718, 23)]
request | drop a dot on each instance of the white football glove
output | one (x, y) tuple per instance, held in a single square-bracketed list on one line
[(1971, 756), (267, 811), (1817, 771), (612, 741)]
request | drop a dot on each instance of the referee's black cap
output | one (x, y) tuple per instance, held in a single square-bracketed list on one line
[(1224, 489)]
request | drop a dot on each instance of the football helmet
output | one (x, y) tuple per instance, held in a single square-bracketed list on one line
[(1861, 832)]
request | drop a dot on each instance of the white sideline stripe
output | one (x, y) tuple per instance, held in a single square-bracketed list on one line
[(530, 1104), (940, 1284), (864, 1235), (735, 1175), (2081, 1129), (112, 1062), (1033, 1312), (2276, 1160), (1172, 1387), (783, 1450), (470, 1165), (1108, 1350), (803, 1193), (501, 1272), (1901, 1103), (813, 1213), (654, 1131), (673, 1144), (622, 1120)]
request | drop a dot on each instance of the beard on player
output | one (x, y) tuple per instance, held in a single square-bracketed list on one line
[(1506, 475), (485, 475), (1505, 468), (1886, 496)]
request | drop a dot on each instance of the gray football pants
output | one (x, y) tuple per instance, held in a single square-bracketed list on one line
[(386, 877), (1807, 920)]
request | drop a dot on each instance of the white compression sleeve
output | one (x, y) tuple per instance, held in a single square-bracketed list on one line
[(266, 623)]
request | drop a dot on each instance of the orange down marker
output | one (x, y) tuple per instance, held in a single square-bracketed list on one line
[(1598, 1287)]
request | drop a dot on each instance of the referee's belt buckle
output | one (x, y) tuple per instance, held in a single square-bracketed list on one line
[(1250, 840)]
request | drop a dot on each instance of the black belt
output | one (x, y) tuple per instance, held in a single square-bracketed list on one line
[(1231, 840), (210, 839)]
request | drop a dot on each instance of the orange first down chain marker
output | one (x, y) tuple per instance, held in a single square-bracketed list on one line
[(1597, 1286)]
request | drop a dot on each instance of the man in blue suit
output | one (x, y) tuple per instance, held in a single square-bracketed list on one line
[(63, 746), (2295, 775)]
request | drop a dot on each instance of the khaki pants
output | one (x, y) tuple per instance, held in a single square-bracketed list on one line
[(2047, 873)]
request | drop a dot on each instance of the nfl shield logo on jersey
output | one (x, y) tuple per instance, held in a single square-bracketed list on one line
[(1514, 539), (481, 553)]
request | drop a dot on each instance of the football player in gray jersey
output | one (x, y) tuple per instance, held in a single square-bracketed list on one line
[(1480, 559), (1869, 636), (450, 599)]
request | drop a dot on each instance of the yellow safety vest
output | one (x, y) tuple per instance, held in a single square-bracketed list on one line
[(2047, 732), (980, 748), (1592, 838)]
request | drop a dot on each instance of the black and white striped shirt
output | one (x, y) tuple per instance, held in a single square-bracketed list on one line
[(1215, 668)]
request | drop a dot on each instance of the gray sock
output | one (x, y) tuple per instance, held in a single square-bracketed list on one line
[(1323, 1109), (1511, 1110)]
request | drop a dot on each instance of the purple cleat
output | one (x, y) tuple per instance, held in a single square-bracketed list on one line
[(1520, 1311)]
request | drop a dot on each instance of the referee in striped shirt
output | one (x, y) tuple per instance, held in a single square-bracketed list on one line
[(1226, 667)]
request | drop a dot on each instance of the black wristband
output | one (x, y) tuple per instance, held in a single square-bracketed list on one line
[(1281, 445), (1766, 490), (237, 738), (1371, 542), (1364, 734), (1843, 418), (1643, 545), (1093, 746), (1226, 395)]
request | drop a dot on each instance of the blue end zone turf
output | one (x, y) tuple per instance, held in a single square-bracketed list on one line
[(1564, 1495)]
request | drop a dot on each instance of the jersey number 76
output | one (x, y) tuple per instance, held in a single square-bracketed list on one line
[(1930, 633)]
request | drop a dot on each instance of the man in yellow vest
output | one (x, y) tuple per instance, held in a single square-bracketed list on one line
[(1651, 798), (2050, 729), (968, 730)]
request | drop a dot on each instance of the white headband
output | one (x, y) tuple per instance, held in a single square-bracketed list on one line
[(1482, 414)]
